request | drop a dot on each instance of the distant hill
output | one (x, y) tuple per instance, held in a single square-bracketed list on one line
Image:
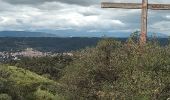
[(159, 35), (24, 34), (71, 33), (116, 34), (54, 44)]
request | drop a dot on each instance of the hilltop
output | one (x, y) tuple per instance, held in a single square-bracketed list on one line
[(25, 34), (72, 33)]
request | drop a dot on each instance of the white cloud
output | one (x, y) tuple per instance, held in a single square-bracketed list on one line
[(162, 26), (167, 16), (78, 17), (62, 16)]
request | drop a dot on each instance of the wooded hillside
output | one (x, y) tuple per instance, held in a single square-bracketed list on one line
[(112, 70)]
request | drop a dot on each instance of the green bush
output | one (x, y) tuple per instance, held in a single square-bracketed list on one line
[(110, 71), (20, 83), (115, 71), (50, 66), (5, 97), (43, 95)]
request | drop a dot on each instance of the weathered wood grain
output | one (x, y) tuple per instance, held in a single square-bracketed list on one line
[(135, 6), (121, 5), (144, 14), (159, 6)]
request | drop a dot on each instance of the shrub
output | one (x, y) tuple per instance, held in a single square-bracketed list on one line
[(43, 95), (5, 97), (114, 70)]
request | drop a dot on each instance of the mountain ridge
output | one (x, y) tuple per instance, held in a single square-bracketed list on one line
[(72, 34), (25, 34)]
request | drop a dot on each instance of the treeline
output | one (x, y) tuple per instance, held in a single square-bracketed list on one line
[(112, 70), (53, 44), (48, 66), (33, 78), (46, 44)]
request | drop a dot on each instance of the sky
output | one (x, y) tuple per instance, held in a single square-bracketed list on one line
[(78, 15)]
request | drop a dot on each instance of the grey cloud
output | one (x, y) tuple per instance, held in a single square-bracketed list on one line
[(27, 1), (81, 2), (76, 2), (76, 14)]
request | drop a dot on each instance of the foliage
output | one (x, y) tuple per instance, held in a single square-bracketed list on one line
[(46, 44), (49, 67), (43, 95), (5, 97), (114, 70), (21, 84), (53, 44)]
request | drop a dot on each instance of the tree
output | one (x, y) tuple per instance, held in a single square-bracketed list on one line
[(114, 70)]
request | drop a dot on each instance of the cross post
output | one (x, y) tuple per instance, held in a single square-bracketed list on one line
[(143, 35), (144, 6)]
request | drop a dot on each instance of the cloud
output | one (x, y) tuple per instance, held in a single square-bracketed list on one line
[(82, 15), (67, 17), (33, 2), (77, 2)]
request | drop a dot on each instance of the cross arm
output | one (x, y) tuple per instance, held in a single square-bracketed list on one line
[(121, 5), (135, 6), (159, 6)]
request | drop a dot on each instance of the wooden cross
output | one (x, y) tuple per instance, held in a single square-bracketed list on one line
[(144, 6)]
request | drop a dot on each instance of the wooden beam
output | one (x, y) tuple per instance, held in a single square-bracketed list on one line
[(135, 6), (121, 5), (159, 6), (143, 35)]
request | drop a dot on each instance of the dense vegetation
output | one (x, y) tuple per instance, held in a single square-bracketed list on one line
[(50, 67), (46, 44), (112, 70), (20, 84), (53, 44)]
